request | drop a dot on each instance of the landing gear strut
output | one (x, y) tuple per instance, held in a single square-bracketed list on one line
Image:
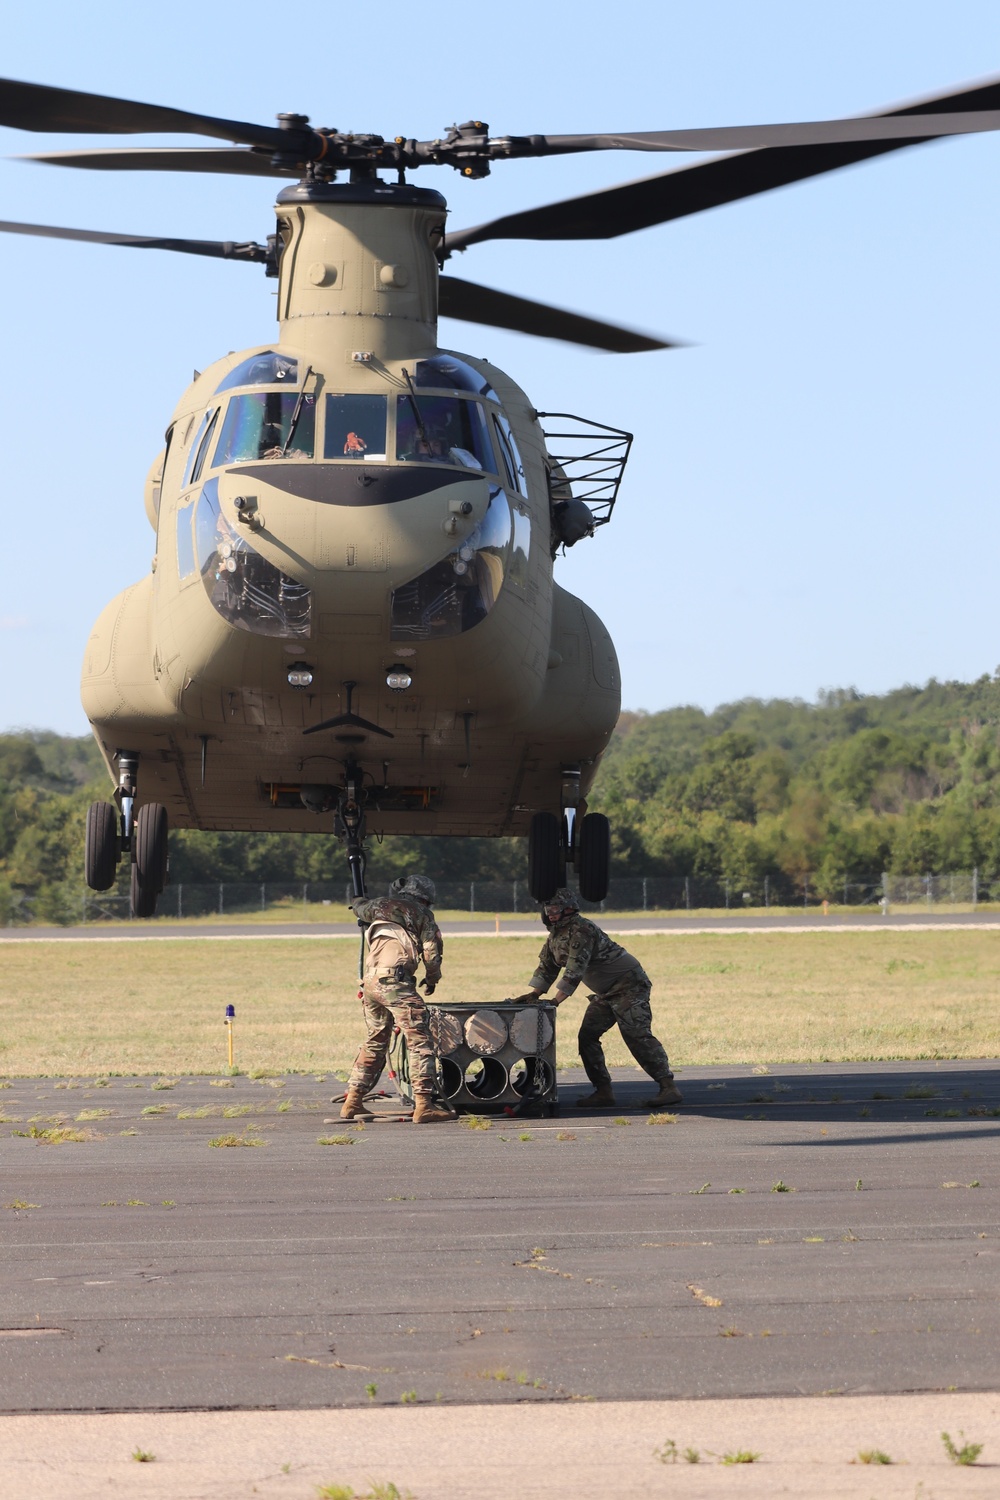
[(143, 836), (581, 840)]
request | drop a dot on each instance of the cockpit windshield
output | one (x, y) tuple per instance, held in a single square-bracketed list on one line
[(262, 369), (259, 426), (355, 427), (443, 430), (446, 372)]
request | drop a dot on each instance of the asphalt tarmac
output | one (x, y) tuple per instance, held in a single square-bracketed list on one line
[(629, 924), (832, 1229)]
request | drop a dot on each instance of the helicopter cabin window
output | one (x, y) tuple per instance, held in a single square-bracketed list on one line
[(442, 430), (248, 591), (185, 542), (262, 369), (513, 467), (458, 592), (355, 427), (261, 426), (446, 372)]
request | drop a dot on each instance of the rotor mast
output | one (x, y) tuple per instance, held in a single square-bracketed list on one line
[(358, 271)]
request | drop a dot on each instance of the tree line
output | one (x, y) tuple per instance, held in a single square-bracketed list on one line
[(784, 791)]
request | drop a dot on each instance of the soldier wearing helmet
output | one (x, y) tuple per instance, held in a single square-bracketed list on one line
[(621, 989), (401, 932)]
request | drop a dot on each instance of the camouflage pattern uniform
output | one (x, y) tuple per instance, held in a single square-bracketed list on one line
[(621, 995), (391, 996)]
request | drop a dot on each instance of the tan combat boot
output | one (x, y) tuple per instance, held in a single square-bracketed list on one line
[(669, 1094), (427, 1111), (599, 1099), (353, 1107)]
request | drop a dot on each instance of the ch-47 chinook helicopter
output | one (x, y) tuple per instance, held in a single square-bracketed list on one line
[(352, 609)]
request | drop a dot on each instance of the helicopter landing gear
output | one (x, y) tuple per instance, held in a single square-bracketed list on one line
[(101, 849), (546, 855), (149, 859), (593, 856), (577, 837), (349, 824)]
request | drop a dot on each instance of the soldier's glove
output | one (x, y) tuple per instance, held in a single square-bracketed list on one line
[(531, 998), (428, 986)]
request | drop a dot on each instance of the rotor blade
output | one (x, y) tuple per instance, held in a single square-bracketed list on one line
[(233, 160), (752, 137), (220, 249), (36, 106), (691, 190), (481, 304)]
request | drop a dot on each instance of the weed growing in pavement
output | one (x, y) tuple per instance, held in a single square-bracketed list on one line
[(408, 1398), (284, 1106), (143, 1456), (918, 1091), (736, 1190), (620, 1120), (669, 1453), (967, 1454), (221, 1083), (697, 1192), (156, 1109), (235, 1111), (872, 1456), (741, 1456), (202, 1113), (20, 1203), (336, 1140), (565, 1135), (165, 1083), (55, 1137), (663, 1119), (526, 1135), (94, 1114), (476, 1122), (762, 1068), (246, 1139), (781, 1187), (878, 1094), (371, 1390)]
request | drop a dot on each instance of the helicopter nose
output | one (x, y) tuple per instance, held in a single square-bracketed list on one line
[(364, 484)]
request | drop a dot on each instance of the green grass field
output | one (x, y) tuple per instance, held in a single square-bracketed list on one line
[(157, 1007)]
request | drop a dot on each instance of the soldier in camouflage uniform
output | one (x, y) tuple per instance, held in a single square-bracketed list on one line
[(401, 932), (621, 988)]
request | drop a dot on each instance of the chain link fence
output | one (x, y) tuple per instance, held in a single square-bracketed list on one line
[(327, 900)]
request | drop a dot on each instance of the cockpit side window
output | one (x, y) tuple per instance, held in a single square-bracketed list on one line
[(355, 427), (442, 430), (200, 449), (510, 455), (196, 446), (258, 426)]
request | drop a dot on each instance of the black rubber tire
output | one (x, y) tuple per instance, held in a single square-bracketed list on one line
[(101, 846), (544, 855), (593, 858), (142, 899), (151, 847)]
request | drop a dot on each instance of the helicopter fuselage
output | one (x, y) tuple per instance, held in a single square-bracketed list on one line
[(354, 564)]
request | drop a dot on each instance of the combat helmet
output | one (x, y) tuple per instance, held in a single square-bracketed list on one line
[(565, 898), (416, 886)]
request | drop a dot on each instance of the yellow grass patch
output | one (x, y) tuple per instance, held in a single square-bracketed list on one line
[(768, 997)]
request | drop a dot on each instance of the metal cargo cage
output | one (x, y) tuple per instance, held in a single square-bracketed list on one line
[(490, 1056)]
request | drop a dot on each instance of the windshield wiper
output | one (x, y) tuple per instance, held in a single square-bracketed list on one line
[(296, 413), (412, 398)]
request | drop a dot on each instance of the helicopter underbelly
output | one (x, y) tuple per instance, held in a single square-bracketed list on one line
[(474, 747)]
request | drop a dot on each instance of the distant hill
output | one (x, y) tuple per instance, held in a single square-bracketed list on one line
[(781, 790)]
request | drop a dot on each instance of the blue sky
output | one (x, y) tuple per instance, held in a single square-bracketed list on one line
[(811, 500)]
